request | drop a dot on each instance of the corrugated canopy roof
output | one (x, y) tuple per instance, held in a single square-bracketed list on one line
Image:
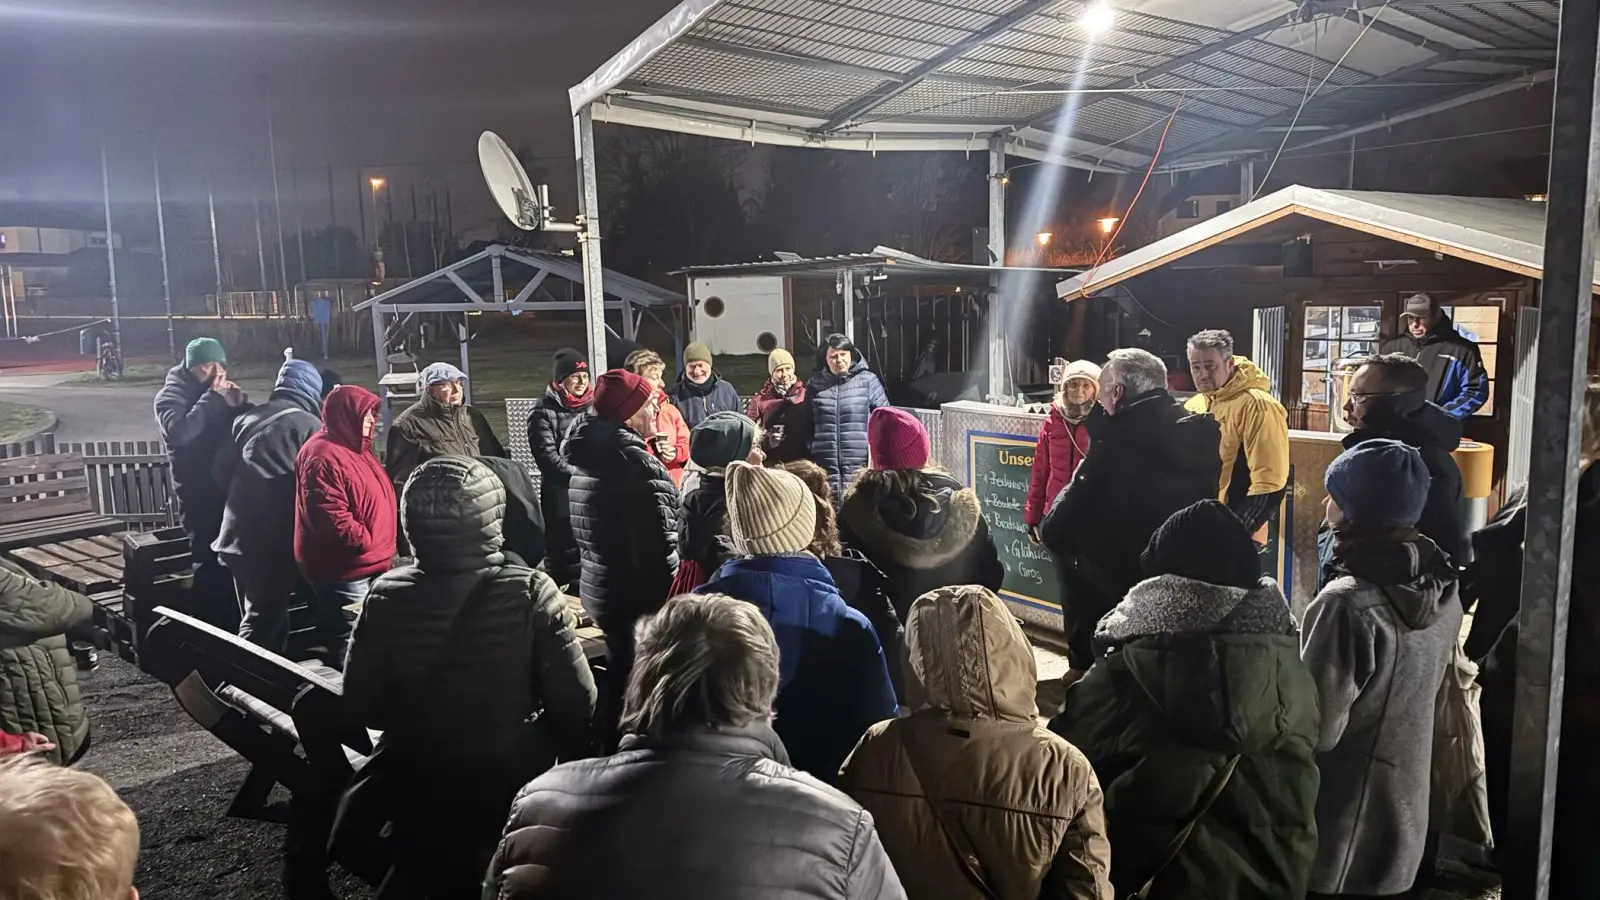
[(519, 274), (892, 261), (1504, 234), (949, 74)]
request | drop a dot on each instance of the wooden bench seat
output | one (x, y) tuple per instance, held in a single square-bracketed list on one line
[(45, 499)]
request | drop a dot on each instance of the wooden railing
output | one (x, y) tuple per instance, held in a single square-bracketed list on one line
[(130, 480)]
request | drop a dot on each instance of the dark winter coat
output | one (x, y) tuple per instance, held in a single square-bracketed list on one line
[(257, 473), (1150, 460), (195, 423), (786, 422), (698, 401), (524, 523), (1435, 435), (865, 589), (625, 519), (840, 406), (932, 538), (38, 682), (692, 815), (1196, 675), (428, 429), (833, 682), (548, 426), (1061, 448), (345, 515), (1457, 380), (703, 523)]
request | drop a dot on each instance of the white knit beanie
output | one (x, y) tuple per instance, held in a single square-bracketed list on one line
[(770, 511), (1081, 368)]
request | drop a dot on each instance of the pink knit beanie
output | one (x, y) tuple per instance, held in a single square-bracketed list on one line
[(896, 439)]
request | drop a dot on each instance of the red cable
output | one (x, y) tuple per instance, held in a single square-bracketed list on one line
[(1154, 158)]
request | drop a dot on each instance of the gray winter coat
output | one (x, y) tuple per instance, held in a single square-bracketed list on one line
[(693, 815), (1377, 640), (38, 684)]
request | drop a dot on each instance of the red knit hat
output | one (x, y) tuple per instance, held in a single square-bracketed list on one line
[(618, 394), (896, 439)]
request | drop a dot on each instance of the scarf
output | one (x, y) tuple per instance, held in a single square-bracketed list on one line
[(569, 401), (1395, 557), (1073, 413)]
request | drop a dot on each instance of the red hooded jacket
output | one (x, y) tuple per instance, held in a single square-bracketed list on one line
[(1061, 448), (344, 522)]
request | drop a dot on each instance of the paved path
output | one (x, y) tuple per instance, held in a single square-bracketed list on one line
[(94, 412)]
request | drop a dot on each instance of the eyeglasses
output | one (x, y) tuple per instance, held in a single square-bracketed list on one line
[(1364, 396)]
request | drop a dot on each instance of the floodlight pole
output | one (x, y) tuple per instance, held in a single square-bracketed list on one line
[(594, 294), (1564, 313), (999, 374)]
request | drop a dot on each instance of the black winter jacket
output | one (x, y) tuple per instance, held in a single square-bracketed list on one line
[(548, 426), (865, 589), (195, 423), (700, 530), (840, 406), (625, 519), (694, 815), (1457, 380), (1436, 434), (698, 401), (256, 472), (928, 540), (524, 522)]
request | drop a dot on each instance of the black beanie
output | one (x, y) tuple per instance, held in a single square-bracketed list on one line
[(330, 380), (1204, 542), (569, 362)]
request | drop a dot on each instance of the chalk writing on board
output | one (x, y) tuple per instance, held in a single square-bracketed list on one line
[(999, 469)]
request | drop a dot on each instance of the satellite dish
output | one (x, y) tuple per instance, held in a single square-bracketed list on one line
[(509, 183)]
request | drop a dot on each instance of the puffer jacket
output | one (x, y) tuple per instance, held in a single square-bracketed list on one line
[(833, 682), (523, 527), (515, 652), (698, 401), (548, 426), (743, 825), (840, 406), (1254, 448), (345, 509), (704, 523), (1198, 674), (429, 429), (1457, 380), (1061, 448), (1027, 800), (1377, 640), (195, 423), (932, 538), (256, 472), (38, 683), (625, 519), (785, 420)]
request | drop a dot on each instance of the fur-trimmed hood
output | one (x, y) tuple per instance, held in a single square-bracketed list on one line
[(924, 529), (1170, 604)]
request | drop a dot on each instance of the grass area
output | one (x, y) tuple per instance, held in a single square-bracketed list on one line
[(18, 421), (138, 373)]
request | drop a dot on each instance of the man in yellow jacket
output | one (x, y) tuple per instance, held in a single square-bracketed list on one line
[(1255, 428)]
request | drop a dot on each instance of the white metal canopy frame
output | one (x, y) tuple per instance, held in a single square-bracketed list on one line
[(1195, 82)]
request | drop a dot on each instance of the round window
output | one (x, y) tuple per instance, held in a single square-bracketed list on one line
[(766, 342), (713, 306)]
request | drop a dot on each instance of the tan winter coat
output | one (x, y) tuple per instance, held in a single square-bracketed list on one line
[(38, 684), (1027, 800)]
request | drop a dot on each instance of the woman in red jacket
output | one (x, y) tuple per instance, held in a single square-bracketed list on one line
[(1063, 441), (670, 443), (344, 512)]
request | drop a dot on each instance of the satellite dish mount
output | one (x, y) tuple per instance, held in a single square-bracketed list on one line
[(526, 205)]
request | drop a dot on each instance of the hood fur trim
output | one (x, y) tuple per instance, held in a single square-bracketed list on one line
[(862, 508)]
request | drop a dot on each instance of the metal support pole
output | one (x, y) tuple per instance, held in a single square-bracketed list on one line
[(166, 277), (999, 376), (847, 290), (299, 223), (261, 248), (1247, 181), (333, 229), (1564, 312), (380, 352), (216, 246), (1350, 176), (277, 199), (465, 338), (594, 295), (111, 258)]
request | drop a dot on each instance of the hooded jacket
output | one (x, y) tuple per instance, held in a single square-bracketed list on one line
[(515, 652), (833, 682), (625, 520), (38, 682), (1198, 674), (840, 407), (1254, 445), (1377, 640), (1457, 380), (523, 528), (704, 523), (548, 426), (697, 814), (345, 515), (698, 401), (429, 429), (1027, 800), (195, 423), (1062, 447), (1435, 434), (257, 473), (785, 418), (932, 538), (670, 421)]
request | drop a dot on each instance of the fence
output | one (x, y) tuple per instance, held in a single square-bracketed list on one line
[(130, 480)]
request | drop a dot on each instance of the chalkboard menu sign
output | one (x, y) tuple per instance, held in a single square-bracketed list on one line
[(998, 468)]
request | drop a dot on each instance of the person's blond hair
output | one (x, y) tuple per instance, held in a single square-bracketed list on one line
[(64, 834), (640, 360), (825, 540)]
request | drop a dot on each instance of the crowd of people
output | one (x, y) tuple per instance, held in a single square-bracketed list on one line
[(810, 683)]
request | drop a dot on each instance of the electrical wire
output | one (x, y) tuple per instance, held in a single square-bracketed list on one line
[(34, 338), (1155, 157)]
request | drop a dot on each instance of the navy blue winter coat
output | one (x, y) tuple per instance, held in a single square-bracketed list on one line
[(833, 682), (698, 401), (840, 407)]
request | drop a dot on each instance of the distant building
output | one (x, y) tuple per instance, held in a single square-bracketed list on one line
[(36, 258), (1203, 196)]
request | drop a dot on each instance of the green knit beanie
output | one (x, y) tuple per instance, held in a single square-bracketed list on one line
[(204, 350)]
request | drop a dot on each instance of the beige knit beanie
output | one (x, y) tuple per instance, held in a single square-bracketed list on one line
[(770, 511)]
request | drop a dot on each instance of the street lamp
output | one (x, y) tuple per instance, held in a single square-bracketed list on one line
[(1043, 238), (1108, 223), (376, 183)]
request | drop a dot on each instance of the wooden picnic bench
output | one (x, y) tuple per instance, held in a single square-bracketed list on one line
[(45, 499)]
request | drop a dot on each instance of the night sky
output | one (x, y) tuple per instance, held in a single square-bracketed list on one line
[(353, 83)]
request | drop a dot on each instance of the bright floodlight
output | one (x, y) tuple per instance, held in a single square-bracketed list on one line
[(375, 182), (1043, 238), (1108, 223), (1098, 18)]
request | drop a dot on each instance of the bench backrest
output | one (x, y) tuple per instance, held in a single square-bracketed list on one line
[(43, 487)]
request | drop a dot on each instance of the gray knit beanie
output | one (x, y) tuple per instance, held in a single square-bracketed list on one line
[(770, 511)]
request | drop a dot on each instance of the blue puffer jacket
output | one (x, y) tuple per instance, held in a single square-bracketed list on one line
[(833, 682), (841, 405)]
